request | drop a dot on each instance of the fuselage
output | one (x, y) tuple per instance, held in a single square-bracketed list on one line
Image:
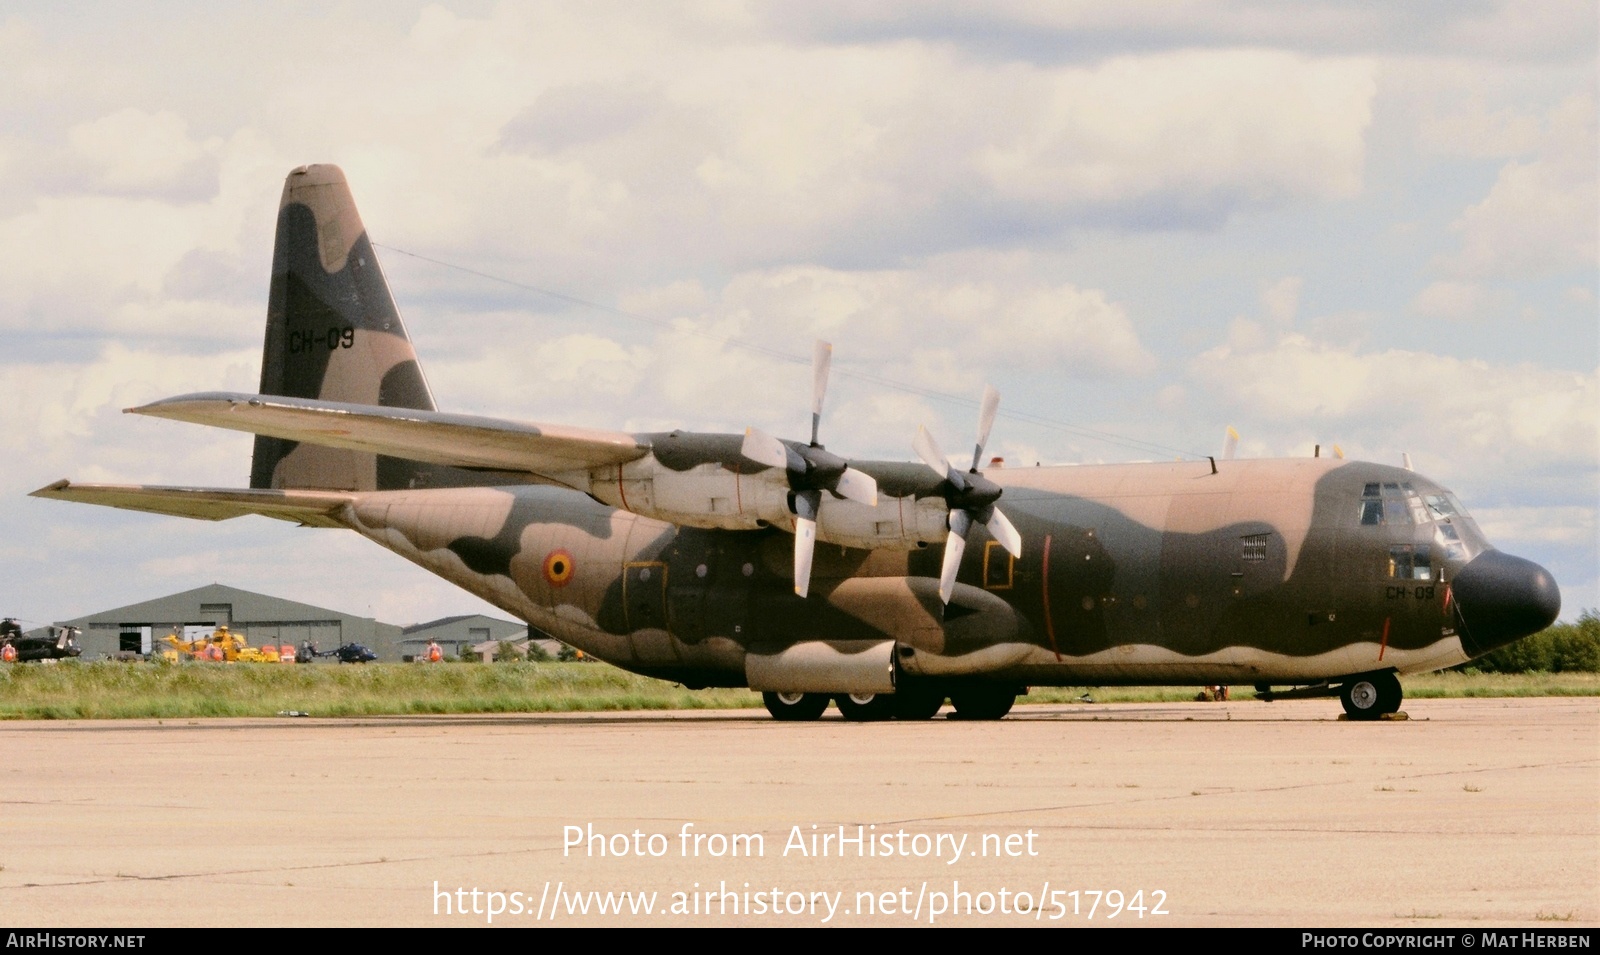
[(1262, 571), (749, 560)]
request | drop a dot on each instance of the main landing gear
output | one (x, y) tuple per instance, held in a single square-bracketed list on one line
[(911, 701), (1371, 695), (795, 706)]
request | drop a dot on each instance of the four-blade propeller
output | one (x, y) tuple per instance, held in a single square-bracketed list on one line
[(811, 470), (971, 496)]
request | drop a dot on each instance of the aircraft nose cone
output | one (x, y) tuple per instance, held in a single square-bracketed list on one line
[(1502, 598)]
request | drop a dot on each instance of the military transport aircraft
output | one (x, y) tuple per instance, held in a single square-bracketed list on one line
[(694, 557)]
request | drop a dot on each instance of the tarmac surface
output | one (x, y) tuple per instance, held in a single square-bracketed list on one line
[(1471, 814)]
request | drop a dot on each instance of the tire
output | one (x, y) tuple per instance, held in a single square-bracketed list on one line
[(795, 707), (865, 707), (1371, 695), (983, 701), (917, 702)]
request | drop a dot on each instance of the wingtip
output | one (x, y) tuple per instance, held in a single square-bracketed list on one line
[(46, 491)]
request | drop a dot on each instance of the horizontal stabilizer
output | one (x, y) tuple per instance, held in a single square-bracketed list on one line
[(311, 508), (463, 441)]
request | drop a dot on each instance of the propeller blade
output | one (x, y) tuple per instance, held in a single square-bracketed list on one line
[(821, 361), (805, 545), (858, 486), (928, 450), (1230, 444), (763, 448), (1000, 528), (954, 546), (986, 413), (805, 537)]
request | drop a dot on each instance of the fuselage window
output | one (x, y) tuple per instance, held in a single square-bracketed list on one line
[(1421, 565), (1410, 563), (1400, 562), (1254, 547)]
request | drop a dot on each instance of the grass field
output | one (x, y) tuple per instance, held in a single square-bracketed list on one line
[(106, 690)]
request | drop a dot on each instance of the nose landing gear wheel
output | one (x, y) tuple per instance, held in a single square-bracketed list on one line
[(795, 706), (1371, 695), (865, 707)]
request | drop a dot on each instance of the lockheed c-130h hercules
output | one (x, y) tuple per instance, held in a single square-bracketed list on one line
[(693, 557)]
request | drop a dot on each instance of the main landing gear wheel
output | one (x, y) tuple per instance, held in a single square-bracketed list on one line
[(865, 707), (917, 703), (982, 701), (1371, 696), (795, 706)]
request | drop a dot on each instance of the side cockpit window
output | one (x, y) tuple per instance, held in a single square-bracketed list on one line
[(1449, 541), (1408, 562)]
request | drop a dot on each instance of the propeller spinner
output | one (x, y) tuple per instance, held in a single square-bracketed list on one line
[(970, 495), (811, 470)]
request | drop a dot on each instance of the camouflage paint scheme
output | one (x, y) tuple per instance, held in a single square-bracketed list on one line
[(671, 554)]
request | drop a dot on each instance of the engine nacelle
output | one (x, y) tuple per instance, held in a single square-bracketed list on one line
[(712, 496)]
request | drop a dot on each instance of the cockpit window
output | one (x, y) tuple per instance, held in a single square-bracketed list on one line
[(1388, 504), (1449, 541), (1394, 503)]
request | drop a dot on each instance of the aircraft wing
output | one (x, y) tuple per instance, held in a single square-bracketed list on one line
[(311, 508), (463, 441)]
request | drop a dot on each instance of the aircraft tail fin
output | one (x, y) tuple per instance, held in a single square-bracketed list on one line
[(333, 334)]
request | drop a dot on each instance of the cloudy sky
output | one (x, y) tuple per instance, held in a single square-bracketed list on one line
[(1335, 223)]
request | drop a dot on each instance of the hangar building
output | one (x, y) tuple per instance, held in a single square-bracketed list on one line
[(454, 633), (138, 628)]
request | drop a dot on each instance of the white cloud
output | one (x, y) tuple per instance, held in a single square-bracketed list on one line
[(929, 328), (1540, 216), (1193, 127), (66, 418), (1572, 526), (1516, 417), (1473, 128), (135, 151), (1281, 299), (1457, 300)]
